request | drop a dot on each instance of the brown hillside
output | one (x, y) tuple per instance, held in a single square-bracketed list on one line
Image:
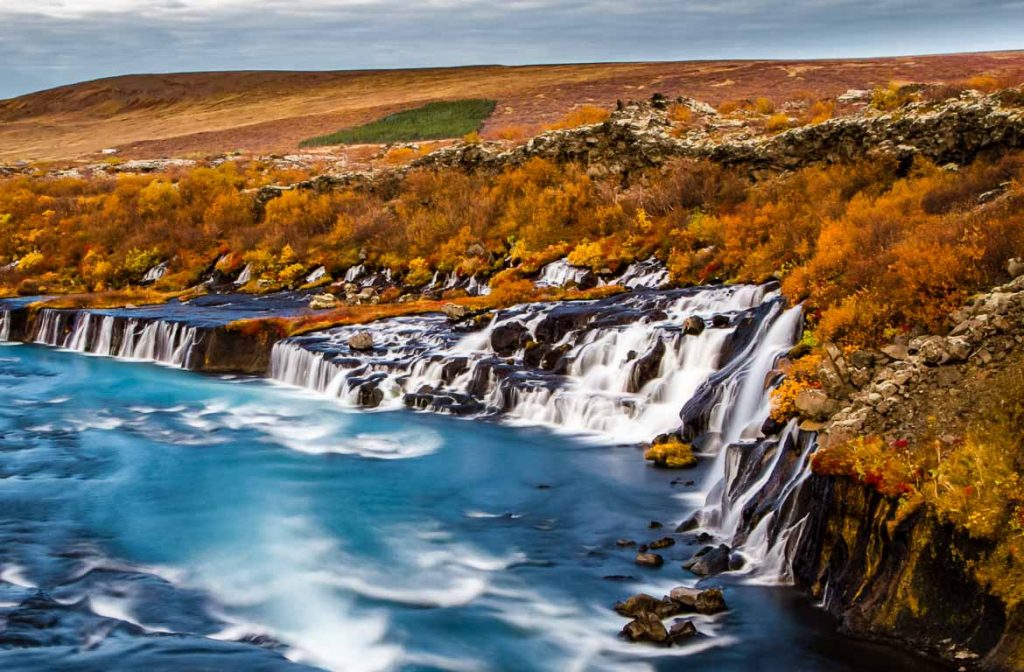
[(180, 114)]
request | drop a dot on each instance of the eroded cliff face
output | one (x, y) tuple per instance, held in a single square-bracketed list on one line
[(898, 569), (899, 579)]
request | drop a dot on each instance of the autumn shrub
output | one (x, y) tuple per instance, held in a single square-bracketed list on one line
[(764, 106), (777, 122), (892, 97), (820, 111), (729, 106), (802, 375), (671, 453), (581, 116)]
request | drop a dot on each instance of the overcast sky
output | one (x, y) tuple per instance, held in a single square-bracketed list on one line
[(45, 43)]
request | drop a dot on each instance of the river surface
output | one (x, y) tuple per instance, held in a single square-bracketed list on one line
[(155, 519)]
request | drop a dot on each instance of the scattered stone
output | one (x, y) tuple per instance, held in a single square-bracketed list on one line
[(654, 525), (646, 627), (682, 630), (706, 601), (814, 404), (709, 560), (361, 340), (664, 542), (693, 325), (649, 560), (1015, 267), (323, 302), (625, 543), (454, 311)]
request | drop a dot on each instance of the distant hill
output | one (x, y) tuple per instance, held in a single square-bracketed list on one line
[(180, 114)]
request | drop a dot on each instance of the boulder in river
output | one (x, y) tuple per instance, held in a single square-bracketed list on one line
[(646, 627), (664, 542), (361, 340), (709, 560), (641, 602), (693, 325), (649, 560), (507, 338), (706, 601), (682, 629)]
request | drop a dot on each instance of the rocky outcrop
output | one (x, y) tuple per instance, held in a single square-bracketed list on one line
[(904, 580), (899, 574), (639, 135), (891, 392)]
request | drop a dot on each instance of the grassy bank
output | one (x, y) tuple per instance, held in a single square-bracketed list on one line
[(433, 121)]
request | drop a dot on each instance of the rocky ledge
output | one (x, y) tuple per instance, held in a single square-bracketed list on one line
[(900, 574), (640, 135)]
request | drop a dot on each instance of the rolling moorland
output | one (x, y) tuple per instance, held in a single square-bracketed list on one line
[(271, 112), (886, 197)]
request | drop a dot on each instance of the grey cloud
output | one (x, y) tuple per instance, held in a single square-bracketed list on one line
[(42, 50)]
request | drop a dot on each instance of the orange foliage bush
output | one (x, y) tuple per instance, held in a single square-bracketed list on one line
[(581, 116)]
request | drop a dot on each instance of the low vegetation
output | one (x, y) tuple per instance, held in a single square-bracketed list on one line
[(433, 121), (969, 476), (872, 250)]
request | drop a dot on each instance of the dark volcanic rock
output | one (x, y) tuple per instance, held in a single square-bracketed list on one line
[(709, 560), (507, 338), (682, 630)]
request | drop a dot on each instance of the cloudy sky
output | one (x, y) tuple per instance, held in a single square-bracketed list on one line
[(46, 43)]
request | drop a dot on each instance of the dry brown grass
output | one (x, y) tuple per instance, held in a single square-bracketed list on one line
[(205, 113)]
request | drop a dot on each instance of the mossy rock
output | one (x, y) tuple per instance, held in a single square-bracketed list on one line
[(671, 454)]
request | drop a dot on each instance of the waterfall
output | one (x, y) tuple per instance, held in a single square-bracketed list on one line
[(5, 325), (560, 273), (155, 273), (647, 274), (318, 274), (245, 276), (110, 335), (621, 368)]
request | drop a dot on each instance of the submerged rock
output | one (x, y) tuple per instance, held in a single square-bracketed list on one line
[(664, 542), (649, 560)]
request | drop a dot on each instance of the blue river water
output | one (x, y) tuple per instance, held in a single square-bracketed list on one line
[(154, 519)]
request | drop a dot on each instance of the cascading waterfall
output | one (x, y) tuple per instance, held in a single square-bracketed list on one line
[(560, 273), (94, 333), (621, 368), (5, 325)]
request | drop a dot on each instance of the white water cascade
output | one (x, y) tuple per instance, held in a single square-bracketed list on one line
[(92, 333), (5, 325), (621, 368), (560, 273)]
